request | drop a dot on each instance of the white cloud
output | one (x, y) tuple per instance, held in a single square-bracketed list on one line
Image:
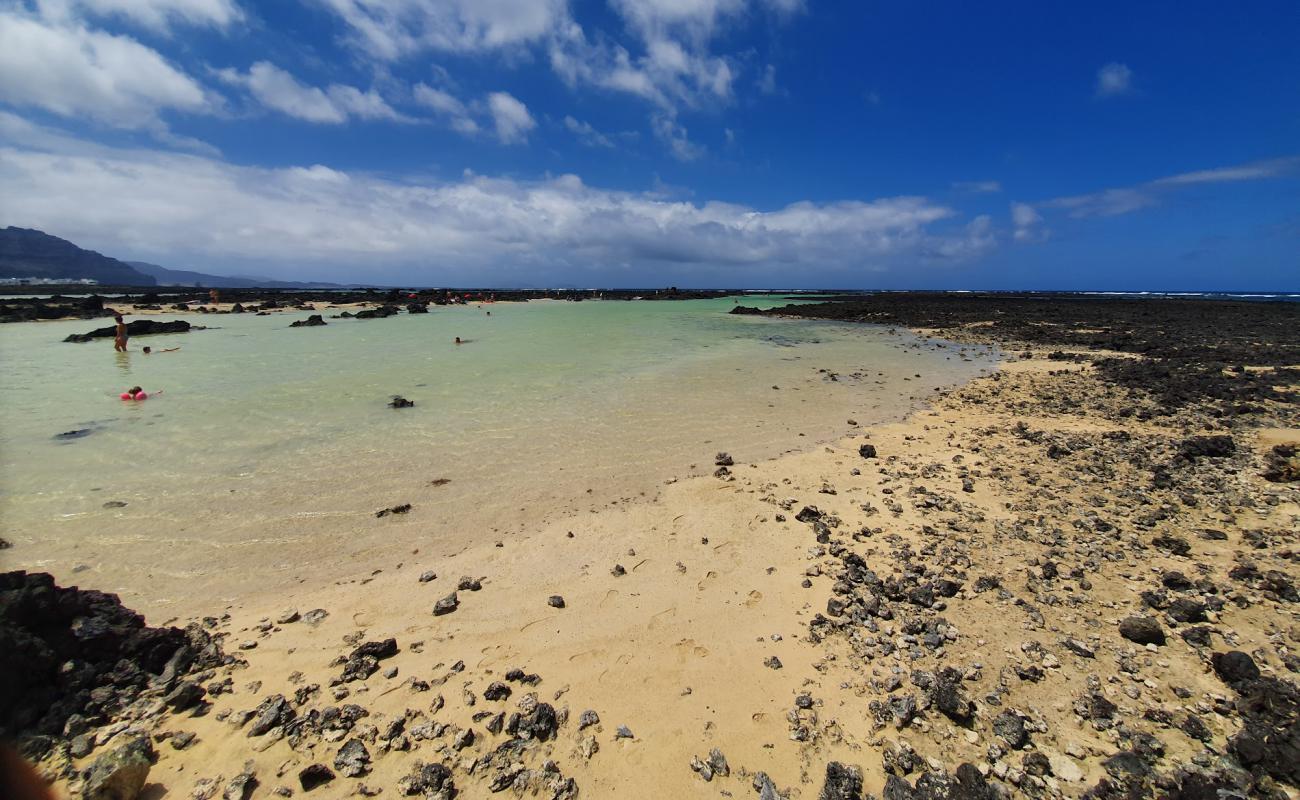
[(1123, 200), (671, 133), (663, 55), (1114, 79), (1257, 170), (157, 15), (510, 117), (448, 107), (586, 133), (667, 74), (1027, 223), (71, 71), (392, 29), (278, 90), (192, 210), (767, 82)]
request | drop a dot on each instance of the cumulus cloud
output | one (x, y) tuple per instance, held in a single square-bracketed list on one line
[(392, 29), (510, 118), (1114, 79), (157, 15), (279, 91), (69, 70), (199, 211)]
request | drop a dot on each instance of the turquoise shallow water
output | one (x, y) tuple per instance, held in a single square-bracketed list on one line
[(269, 449)]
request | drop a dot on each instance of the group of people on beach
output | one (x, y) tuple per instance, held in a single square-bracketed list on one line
[(120, 337)]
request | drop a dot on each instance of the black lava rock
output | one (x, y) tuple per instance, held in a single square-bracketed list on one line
[(1143, 630), (1234, 667), (842, 783)]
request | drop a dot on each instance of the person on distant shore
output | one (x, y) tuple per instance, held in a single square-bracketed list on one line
[(119, 340), (149, 350)]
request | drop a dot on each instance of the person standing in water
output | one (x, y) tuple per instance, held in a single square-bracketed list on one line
[(119, 342)]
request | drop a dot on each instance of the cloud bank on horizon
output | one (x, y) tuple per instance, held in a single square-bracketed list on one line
[(647, 142)]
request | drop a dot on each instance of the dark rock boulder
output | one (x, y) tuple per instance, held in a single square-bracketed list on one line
[(1185, 609), (274, 712), (1011, 729), (380, 650), (314, 775), (842, 783), (1195, 447), (540, 724), (428, 780), (138, 327), (69, 651), (1283, 465), (948, 695), (313, 321), (1142, 630), (1234, 667), (353, 759)]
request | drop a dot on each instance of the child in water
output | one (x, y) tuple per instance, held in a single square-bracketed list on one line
[(136, 393), (119, 335)]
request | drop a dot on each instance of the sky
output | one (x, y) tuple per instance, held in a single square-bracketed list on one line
[(644, 143)]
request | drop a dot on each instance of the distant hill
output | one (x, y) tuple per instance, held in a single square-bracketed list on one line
[(26, 253), (182, 277)]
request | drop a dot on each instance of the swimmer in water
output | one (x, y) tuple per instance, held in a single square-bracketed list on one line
[(119, 340), (148, 350), (136, 393), (458, 341)]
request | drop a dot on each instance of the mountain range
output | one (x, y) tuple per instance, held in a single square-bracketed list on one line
[(29, 253)]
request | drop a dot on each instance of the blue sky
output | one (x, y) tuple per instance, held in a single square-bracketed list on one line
[(739, 143)]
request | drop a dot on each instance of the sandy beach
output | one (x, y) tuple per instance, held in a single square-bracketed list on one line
[(1047, 583)]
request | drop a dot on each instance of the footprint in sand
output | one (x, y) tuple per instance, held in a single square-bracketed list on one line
[(689, 646), (755, 597), (587, 654), (610, 594), (706, 580), (658, 620)]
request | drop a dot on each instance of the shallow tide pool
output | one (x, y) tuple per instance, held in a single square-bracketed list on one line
[(266, 454)]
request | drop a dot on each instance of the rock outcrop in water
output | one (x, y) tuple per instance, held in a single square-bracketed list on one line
[(137, 327)]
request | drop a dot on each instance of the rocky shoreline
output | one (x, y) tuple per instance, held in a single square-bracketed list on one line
[(1073, 578), (46, 302)]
